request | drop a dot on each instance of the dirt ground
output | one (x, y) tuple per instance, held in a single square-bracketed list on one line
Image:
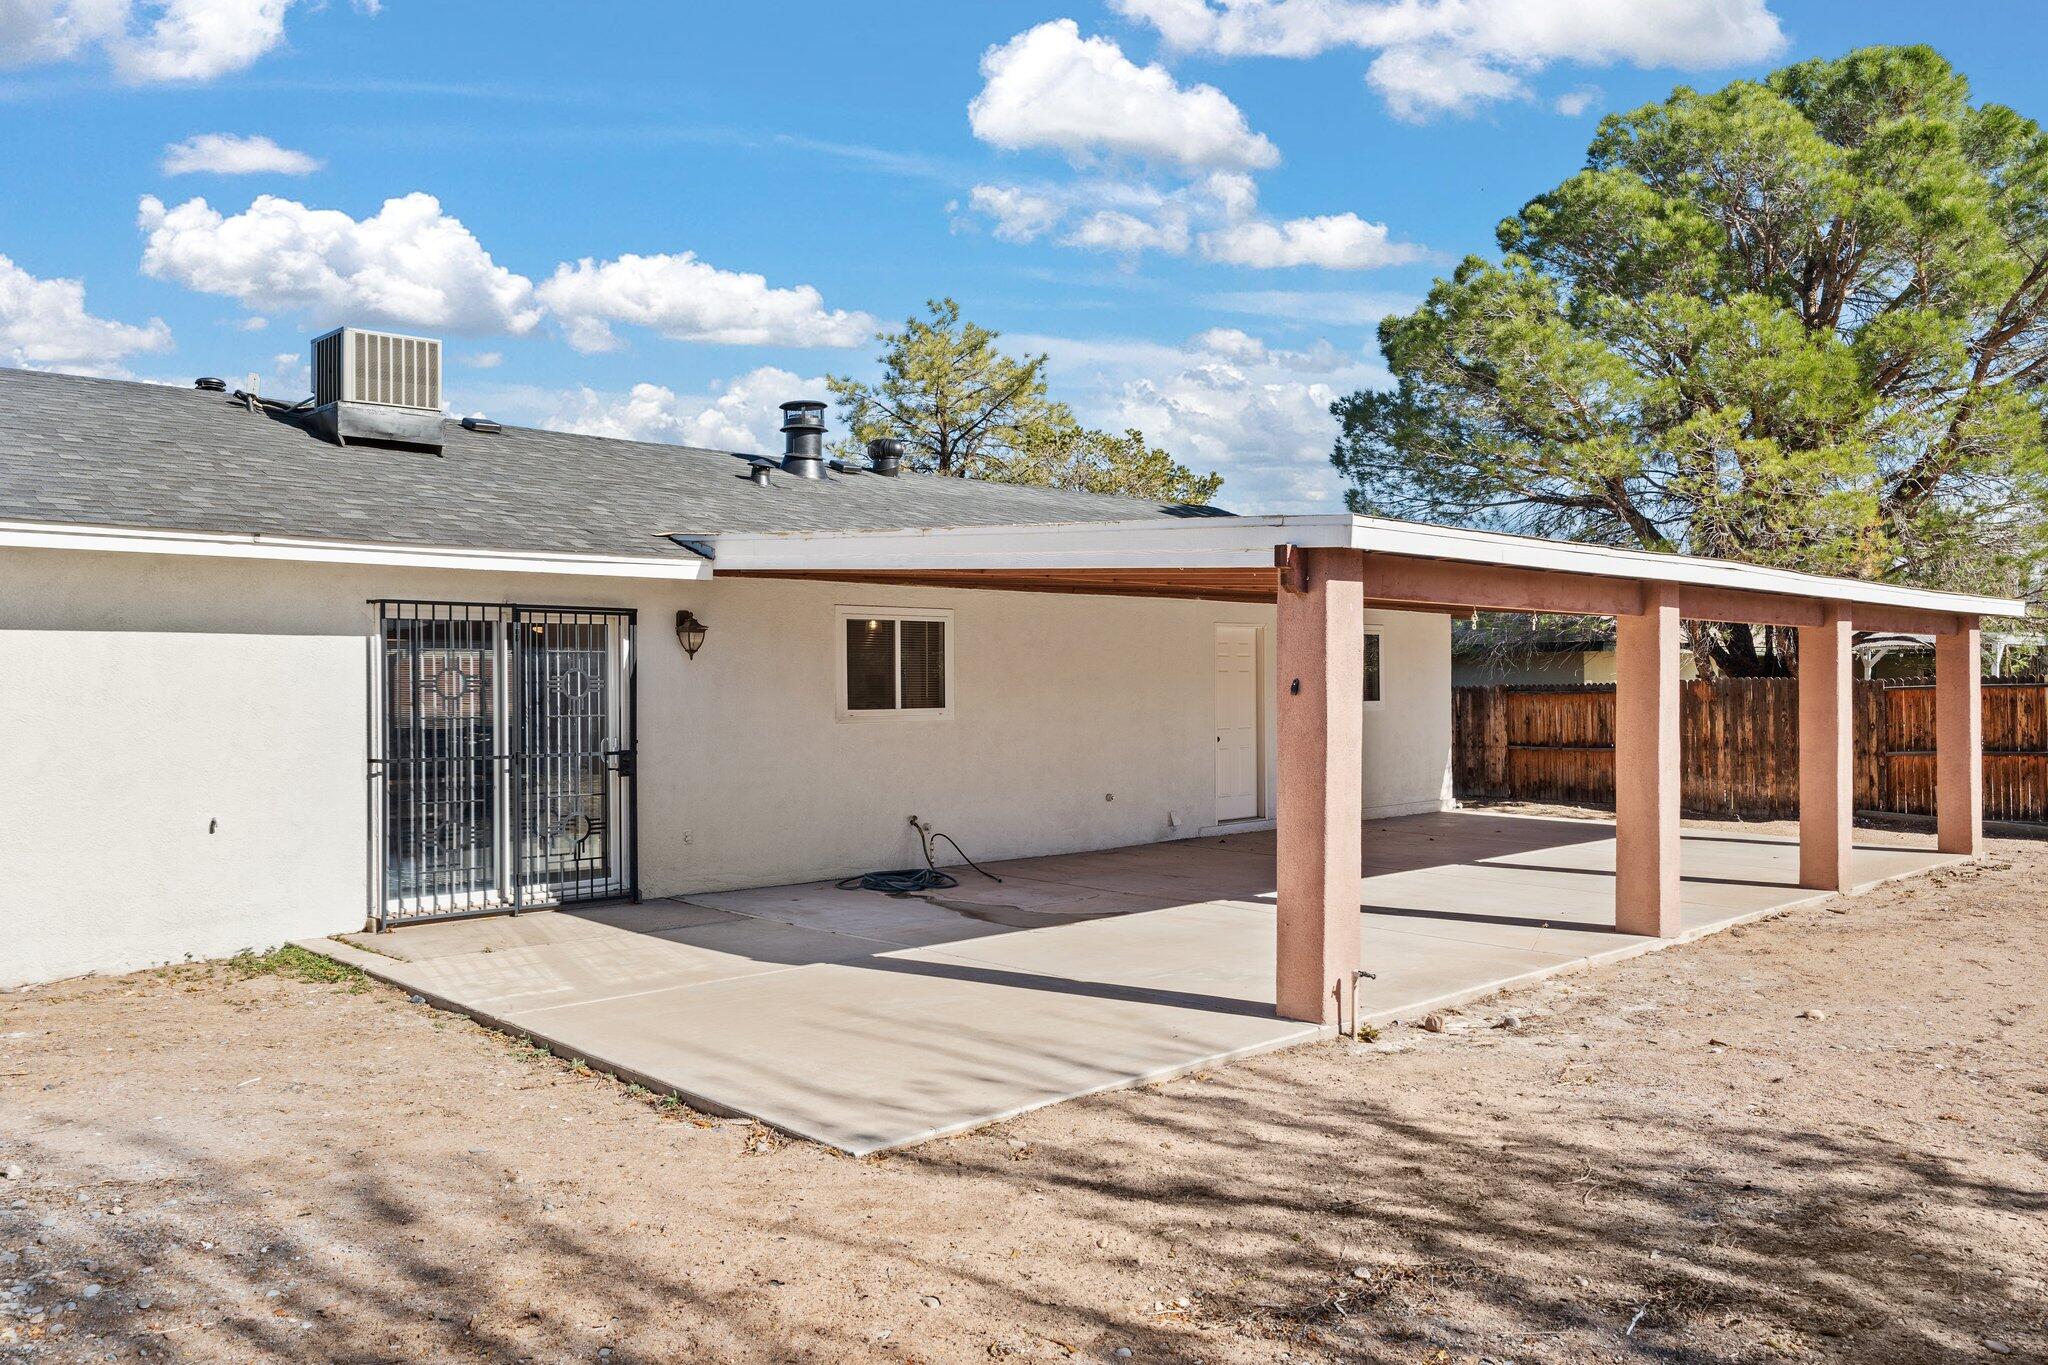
[(1820, 1137)]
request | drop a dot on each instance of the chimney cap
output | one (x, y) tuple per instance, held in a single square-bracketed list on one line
[(803, 413)]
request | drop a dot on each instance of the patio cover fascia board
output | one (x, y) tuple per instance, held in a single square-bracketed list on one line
[(1233, 557)]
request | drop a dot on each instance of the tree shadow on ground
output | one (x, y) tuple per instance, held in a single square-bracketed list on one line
[(1800, 1235), (1621, 1230)]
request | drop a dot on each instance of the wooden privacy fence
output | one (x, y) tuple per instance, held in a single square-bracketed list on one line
[(1739, 746)]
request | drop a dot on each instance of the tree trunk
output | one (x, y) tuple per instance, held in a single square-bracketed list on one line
[(1733, 651)]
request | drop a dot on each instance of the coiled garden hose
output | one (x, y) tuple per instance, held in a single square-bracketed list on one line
[(908, 881)]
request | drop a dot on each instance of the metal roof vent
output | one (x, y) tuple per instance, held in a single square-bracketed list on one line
[(803, 429), (885, 455), (377, 386), (209, 384)]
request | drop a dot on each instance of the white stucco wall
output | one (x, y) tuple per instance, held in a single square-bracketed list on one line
[(1407, 760), (185, 740)]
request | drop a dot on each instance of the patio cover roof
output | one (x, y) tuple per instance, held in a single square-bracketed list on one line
[(1411, 567)]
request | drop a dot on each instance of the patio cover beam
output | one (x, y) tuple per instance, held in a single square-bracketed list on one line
[(1224, 585), (1208, 585), (1397, 580), (1519, 573), (1779, 609), (1403, 583)]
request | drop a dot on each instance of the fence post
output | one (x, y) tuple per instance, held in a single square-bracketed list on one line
[(1495, 743)]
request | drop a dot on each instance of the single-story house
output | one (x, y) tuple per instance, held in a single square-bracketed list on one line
[(1487, 652), (277, 671), (1496, 651)]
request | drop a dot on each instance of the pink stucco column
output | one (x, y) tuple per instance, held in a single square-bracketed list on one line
[(1320, 644), (1959, 741), (1646, 773), (1826, 752)]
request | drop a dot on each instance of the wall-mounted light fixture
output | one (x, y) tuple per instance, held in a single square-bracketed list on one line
[(690, 632)]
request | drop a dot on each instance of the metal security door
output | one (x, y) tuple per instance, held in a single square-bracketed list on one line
[(572, 761), (502, 743)]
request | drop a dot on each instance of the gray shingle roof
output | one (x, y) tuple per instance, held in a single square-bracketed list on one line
[(106, 452)]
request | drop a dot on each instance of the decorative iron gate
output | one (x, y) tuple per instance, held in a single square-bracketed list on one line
[(502, 755)]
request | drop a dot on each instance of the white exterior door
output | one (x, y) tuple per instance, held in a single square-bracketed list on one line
[(1237, 722)]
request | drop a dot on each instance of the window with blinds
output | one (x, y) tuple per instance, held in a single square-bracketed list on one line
[(923, 654), (871, 665), (893, 663)]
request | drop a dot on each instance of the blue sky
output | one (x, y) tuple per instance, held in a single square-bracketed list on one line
[(658, 220)]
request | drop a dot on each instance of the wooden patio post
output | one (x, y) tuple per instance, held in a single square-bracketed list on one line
[(1646, 770), (1959, 741), (1826, 751), (1320, 644)]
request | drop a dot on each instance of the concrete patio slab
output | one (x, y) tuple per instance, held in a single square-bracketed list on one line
[(869, 1023)]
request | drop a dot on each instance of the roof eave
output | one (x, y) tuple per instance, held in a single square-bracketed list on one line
[(255, 545)]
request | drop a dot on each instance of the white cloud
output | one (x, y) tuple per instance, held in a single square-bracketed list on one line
[(1114, 214), (1216, 212), (1230, 343), (483, 360), (232, 154), (36, 31), (1020, 215), (1050, 89), (1234, 195), (408, 265), (293, 371), (685, 299), (1298, 306), (1127, 219), (413, 265), (1419, 83), (1227, 401), (1263, 28), (1127, 234), (1452, 55), (1573, 103), (43, 323), (196, 40), (146, 41), (1270, 437), (1337, 241), (739, 414)]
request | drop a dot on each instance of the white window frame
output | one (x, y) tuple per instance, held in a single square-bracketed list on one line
[(899, 713), (1371, 703)]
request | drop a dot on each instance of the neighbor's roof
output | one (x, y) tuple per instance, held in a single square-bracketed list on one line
[(1578, 635), (108, 453)]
